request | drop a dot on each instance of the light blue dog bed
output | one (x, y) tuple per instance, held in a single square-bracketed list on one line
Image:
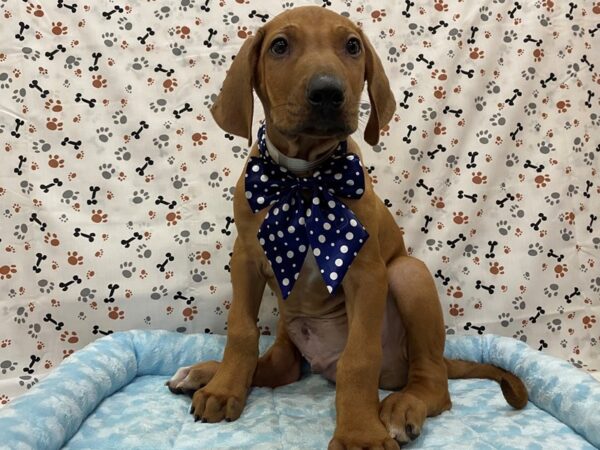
[(111, 395)]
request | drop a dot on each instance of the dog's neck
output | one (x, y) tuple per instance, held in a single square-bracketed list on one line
[(299, 155)]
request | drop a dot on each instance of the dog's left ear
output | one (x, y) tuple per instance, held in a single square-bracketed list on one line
[(234, 106), (382, 99)]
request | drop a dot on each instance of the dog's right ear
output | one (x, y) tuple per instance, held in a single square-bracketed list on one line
[(234, 106)]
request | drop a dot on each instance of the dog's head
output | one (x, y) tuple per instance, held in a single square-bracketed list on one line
[(308, 66)]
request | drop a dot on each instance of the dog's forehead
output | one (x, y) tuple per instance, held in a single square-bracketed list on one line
[(309, 18)]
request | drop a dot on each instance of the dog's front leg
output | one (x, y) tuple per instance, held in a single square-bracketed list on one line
[(225, 395), (358, 369)]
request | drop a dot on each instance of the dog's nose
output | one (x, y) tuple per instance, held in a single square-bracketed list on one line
[(325, 91)]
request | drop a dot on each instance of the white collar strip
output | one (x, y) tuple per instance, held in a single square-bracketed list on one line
[(295, 165)]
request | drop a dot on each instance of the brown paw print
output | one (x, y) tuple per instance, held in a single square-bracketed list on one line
[(378, 15), (5, 343), (70, 337), (538, 54), (115, 313), (459, 218), (52, 239), (189, 313), (99, 82), (456, 310), (542, 180), (203, 257), (36, 10), (99, 216), (183, 31), (7, 271), (56, 161), (560, 270), (438, 129), (588, 321), (170, 84), (438, 202), (74, 259), (53, 124), (478, 178), (4, 400), (439, 92), (563, 105), (199, 138), (243, 32), (439, 74), (496, 268), (172, 218), (455, 292), (440, 6), (475, 53), (53, 105), (205, 78), (549, 5), (58, 28), (67, 353)]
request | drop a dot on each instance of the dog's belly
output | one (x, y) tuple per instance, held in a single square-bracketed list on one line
[(321, 340)]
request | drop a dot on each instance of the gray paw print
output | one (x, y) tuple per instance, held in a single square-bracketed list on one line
[(415, 154), (214, 179), (104, 134), (161, 141), (492, 88), (46, 286), (454, 34), (519, 303), (30, 54), (124, 24), (544, 20), (434, 245), (415, 30), (22, 315), (577, 30), (552, 199), (545, 147), (484, 13), (119, 118), (206, 227), (127, 269), (86, 294), (109, 39), (551, 290), (505, 319), (198, 275), (520, 335), (143, 251), (535, 249), (28, 381), (452, 161), (498, 120), (182, 237), (34, 330), (408, 196), (140, 196), (26, 187), (595, 119), (479, 103), (21, 231), (159, 105), (484, 136), (577, 144), (588, 158), (239, 152), (554, 325), (517, 212), (81, 315), (470, 250), (230, 18), (107, 171), (165, 11), (595, 284), (393, 54), (5, 80), (530, 108), (148, 320), (529, 73), (69, 196), (503, 227), (512, 159), (122, 154), (228, 193), (572, 190), (407, 68), (509, 36), (72, 61), (217, 59), (41, 146), (428, 114), (158, 292), (178, 182), (6, 366)]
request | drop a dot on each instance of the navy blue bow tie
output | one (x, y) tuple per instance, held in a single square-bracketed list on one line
[(296, 222)]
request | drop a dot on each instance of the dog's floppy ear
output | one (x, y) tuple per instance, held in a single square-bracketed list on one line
[(382, 99), (234, 106)]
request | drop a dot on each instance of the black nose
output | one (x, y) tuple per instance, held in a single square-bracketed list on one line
[(325, 91)]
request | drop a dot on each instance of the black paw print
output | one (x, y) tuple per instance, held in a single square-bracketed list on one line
[(158, 292), (198, 275), (107, 170)]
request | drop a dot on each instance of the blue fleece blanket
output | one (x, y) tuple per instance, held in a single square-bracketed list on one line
[(111, 395)]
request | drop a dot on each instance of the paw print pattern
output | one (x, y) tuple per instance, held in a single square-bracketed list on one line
[(477, 171)]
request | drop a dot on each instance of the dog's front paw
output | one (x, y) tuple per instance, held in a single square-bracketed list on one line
[(363, 437), (403, 415), (214, 403), (188, 380)]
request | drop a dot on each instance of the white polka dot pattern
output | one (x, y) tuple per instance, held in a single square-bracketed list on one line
[(294, 222)]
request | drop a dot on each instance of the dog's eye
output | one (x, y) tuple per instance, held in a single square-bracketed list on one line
[(353, 46), (279, 46)]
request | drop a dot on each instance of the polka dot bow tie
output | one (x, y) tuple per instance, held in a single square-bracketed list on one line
[(318, 220)]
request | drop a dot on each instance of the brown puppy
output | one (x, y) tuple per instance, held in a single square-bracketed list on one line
[(383, 327)]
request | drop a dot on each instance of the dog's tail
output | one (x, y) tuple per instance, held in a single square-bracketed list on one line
[(513, 389)]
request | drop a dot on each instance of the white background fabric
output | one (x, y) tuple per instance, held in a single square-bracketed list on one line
[(533, 269)]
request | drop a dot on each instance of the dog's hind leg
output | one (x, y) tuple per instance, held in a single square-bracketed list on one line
[(426, 391)]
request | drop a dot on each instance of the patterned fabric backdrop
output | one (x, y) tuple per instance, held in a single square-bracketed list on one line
[(116, 184)]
